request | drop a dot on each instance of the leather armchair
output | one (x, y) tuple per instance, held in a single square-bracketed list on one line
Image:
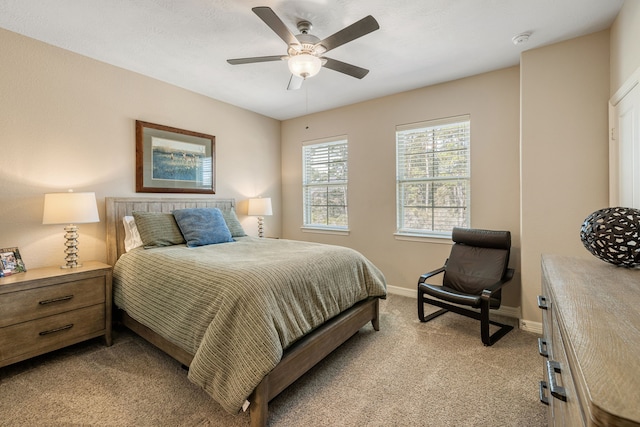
[(474, 275)]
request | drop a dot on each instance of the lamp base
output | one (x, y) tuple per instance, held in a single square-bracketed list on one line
[(71, 247), (260, 226), (76, 265)]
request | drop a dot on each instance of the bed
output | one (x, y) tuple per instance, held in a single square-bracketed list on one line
[(238, 310)]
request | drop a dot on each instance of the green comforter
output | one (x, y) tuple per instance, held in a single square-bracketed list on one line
[(236, 306)]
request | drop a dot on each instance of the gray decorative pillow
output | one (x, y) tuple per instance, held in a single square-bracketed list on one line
[(202, 226), (158, 229), (233, 223)]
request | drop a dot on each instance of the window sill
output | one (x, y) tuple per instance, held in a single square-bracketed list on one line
[(319, 230), (440, 240)]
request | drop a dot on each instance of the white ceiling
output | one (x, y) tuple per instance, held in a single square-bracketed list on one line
[(419, 43)]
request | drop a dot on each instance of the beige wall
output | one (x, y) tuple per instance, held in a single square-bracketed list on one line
[(539, 161), (67, 121), (492, 100), (564, 150), (625, 44)]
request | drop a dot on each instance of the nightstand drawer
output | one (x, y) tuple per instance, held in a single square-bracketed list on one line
[(22, 306), (50, 333)]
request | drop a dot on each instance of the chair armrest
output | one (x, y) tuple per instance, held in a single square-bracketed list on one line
[(425, 276), (490, 290)]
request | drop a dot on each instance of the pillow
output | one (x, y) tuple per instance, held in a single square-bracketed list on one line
[(132, 238), (234, 225), (202, 226), (158, 229)]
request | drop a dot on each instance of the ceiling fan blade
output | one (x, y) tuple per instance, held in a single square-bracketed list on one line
[(271, 19), (352, 32), (295, 82), (238, 61), (343, 67)]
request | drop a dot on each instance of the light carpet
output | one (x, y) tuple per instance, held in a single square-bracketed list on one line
[(407, 374)]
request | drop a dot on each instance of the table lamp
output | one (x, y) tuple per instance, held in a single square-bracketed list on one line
[(260, 207), (70, 208)]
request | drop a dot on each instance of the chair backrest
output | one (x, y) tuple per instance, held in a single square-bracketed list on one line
[(478, 259)]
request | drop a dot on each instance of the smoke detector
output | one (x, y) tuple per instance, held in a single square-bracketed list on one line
[(522, 38)]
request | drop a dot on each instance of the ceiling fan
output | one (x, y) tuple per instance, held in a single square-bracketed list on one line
[(305, 51)]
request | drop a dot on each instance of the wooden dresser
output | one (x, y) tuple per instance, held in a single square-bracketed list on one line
[(591, 342), (44, 309)]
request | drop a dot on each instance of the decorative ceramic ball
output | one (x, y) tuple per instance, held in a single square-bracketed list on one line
[(612, 234)]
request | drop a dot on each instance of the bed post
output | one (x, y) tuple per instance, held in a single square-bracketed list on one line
[(375, 322), (259, 408)]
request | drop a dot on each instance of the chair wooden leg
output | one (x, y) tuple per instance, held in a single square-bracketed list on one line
[(484, 325), (483, 316), (487, 338), (421, 302), (420, 306), (434, 315)]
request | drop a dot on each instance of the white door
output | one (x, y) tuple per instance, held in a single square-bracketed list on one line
[(624, 160)]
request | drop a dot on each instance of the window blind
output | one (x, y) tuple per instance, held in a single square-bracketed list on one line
[(433, 176), (325, 184)]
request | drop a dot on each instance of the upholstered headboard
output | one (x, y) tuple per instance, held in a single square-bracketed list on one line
[(119, 207)]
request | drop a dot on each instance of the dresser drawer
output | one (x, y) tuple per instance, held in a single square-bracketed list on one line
[(22, 306), (52, 332), (568, 410)]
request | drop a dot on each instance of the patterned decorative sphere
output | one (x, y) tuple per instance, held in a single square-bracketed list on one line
[(612, 234)]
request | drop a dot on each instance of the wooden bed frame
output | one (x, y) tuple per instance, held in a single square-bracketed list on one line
[(297, 359)]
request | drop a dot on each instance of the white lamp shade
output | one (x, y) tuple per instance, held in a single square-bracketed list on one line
[(260, 207), (304, 65), (70, 208)]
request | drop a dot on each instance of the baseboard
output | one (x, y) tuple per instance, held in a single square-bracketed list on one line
[(513, 312), (396, 290), (529, 326)]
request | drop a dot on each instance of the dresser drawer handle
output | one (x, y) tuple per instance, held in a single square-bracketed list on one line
[(542, 302), (60, 299), (557, 391), (543, 398), (542, 347), (61, 328)]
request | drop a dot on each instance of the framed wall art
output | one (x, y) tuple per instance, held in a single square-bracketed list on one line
[(11, 262), (171, 160)]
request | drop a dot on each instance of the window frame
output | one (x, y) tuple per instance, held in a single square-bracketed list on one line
[(307, 224), (407, 233)]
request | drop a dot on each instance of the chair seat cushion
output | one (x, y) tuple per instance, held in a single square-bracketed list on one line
[(455, 297)]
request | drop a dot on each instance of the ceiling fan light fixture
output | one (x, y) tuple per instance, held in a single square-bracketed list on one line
[(304, 65)]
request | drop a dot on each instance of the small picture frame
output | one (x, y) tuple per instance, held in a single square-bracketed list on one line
[(11, 262)]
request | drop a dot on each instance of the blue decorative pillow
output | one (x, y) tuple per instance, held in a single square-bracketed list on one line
[(202, 226)]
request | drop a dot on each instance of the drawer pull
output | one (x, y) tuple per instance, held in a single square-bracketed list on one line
[(52, 300), (52, 331), (543, 398), (542, 347), (542, 302), (557, 391)]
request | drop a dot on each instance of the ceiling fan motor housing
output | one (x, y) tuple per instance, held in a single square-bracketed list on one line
[(308, 44), (304, 27)]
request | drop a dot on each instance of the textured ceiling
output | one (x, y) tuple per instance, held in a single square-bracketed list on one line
[(419, 43)]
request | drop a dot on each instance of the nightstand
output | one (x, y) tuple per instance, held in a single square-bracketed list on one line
[(44, 309)]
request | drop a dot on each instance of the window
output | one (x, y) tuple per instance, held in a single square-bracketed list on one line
[(433, 176), (324, 184)]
